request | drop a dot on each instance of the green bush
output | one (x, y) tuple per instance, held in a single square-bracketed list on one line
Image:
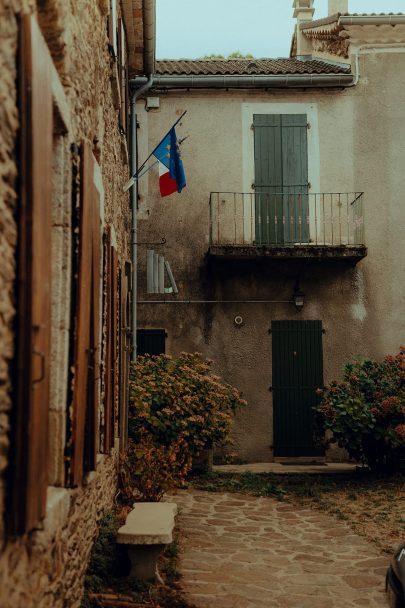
[(365, 413), (178, 408)]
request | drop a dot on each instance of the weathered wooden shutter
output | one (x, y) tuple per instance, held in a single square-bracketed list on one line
[(281, 178), (83, 316), (123, 75), (125, 350), (151, 341), (112, 27), (92, 418), (30, 448), (297, 363), (111, 369)]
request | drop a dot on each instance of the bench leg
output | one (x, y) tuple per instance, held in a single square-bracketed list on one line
[(144, 561)]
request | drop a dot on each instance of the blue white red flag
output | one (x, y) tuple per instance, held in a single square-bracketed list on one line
[(171, 171)]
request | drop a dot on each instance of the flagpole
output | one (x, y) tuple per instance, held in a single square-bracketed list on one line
[(133, 177)]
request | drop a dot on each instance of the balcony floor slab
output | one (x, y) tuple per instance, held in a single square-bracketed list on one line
[(350, 253)]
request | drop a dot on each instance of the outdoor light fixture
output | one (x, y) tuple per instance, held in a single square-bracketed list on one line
[(298, 298)]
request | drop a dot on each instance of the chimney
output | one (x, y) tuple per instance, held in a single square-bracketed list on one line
[(338, 6), (303, 11)]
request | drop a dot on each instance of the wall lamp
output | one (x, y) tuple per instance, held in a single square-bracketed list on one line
[(298, 298)]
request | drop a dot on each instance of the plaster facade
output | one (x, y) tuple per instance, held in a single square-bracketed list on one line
[(356, 143), (46, 567)]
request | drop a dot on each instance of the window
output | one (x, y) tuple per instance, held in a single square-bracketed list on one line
[(151, 341)]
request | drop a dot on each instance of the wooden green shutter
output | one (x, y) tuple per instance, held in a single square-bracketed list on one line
[(30, 430), (297, 363), (281, 178)]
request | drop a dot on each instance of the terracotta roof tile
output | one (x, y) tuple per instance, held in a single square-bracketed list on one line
[(246, 66)]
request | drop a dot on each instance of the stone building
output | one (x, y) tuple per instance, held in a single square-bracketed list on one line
[(65, 246), (287, 245)]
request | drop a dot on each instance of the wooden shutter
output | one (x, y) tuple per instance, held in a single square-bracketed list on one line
[(125, 351), (92, 418), (281, 178), (123, 76), (83, 315), (111, 368), (30, 470), (112, 27)]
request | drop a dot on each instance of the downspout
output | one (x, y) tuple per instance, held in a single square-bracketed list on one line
[(149, 15), (370, 46)]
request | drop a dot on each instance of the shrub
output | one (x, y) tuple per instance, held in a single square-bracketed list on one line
[(177, 409), (366, 411)]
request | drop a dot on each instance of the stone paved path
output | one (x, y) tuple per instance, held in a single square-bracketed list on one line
[(247, 552)]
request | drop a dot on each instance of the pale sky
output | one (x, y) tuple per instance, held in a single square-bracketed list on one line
[(193, 28)]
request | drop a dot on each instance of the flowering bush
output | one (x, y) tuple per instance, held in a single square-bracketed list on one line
[(366, 411), (177, 409)]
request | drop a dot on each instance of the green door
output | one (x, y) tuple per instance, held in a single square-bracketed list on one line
[(281, 178), (297, 373)]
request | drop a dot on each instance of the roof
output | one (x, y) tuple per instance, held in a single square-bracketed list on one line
[(246, 66), (334, 19)]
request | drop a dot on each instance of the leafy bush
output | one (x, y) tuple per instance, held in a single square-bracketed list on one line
[(366, 411), (177, 409)]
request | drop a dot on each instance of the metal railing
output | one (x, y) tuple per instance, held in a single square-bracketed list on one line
[(286, 219)]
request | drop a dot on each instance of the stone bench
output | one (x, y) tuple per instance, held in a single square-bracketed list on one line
[(147, 530)]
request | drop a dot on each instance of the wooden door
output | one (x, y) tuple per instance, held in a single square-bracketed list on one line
[(297, 374)]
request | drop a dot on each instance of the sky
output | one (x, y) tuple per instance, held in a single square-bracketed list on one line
[(194, 28)]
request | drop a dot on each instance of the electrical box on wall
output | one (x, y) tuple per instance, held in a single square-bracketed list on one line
[(152, 103)]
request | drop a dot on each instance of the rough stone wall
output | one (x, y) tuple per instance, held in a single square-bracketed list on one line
[(46, 568)]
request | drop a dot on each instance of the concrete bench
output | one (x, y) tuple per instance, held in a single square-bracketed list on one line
[(148, 529)]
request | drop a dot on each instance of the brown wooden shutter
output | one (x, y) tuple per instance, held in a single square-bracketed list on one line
[(125, 351), (108, 400), (123, 76), (112, 27), (114, 337), (30, 450), (82, 329), (92, 418)]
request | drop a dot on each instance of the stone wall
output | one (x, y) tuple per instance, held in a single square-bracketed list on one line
[(46, 568)]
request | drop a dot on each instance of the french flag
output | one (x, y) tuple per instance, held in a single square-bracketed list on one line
[(171, 171)]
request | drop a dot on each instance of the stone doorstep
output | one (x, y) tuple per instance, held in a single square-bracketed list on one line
[(148, 529)]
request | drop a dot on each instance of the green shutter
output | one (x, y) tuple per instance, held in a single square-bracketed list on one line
[(297, 363), (281, 178)]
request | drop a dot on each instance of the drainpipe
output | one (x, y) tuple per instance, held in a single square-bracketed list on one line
[(365, 47), (149, 16)]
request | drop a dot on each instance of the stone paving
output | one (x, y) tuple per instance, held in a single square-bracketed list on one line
[(246, 552)]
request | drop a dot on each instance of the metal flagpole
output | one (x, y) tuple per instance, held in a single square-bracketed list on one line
[(135, 175)]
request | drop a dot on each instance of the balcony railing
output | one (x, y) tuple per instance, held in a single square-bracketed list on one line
[(286, 219)]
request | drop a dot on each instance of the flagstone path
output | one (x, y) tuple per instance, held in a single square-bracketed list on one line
[(246, 552)]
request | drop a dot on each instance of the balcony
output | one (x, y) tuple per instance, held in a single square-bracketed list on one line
[(288, 225)]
